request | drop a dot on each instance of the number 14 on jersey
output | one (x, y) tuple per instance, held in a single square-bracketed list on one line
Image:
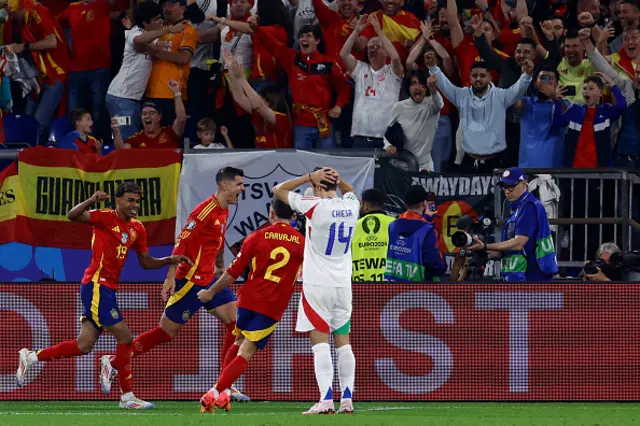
[(342, 237)]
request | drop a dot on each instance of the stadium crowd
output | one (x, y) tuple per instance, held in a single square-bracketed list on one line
[(462, 85)]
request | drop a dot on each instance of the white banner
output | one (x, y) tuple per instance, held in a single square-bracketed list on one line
[(262, 171)]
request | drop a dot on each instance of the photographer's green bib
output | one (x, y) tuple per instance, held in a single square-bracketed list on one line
[(369, 248)]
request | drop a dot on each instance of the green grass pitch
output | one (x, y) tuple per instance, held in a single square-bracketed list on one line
[(89, 413)]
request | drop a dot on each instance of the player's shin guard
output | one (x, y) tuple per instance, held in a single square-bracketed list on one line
[(65, 349), (346, 370), (324, 369), (122, 363), (231, 373), (228, 343), (149, 340)]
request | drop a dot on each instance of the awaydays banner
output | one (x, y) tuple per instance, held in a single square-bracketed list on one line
[(262, 171), (422, 342), (50, 182)]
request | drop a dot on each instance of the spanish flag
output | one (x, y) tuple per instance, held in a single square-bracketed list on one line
[(402, 29), (47, 183)]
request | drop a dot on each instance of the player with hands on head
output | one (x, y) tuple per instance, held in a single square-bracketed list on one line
[(325, 302), (115, 232)]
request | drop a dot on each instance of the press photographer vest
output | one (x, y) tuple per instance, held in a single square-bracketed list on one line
[(369, 248)]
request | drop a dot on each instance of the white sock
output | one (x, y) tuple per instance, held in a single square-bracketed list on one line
[(32, 357), (346, 370), (324, 370), (127, 396)]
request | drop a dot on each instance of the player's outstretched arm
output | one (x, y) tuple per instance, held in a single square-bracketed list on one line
[(223, 282), (79, 212), (325, 174), (149, 262)]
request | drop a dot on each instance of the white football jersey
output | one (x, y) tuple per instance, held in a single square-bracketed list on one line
[(331, 223)]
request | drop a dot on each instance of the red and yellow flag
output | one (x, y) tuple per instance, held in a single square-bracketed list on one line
[(49, 182)]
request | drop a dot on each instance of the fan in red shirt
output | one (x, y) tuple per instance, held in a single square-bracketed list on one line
[(275, 254), (201, 239), (152, 134), (312, 80), (80, 139), (336, 28), (274, 19), (268, 112), (115, 233)]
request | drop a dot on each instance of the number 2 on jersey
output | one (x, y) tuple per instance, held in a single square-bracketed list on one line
[(342, 238), (268, 275)]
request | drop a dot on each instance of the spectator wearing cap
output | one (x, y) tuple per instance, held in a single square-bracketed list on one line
[(153, 134), (171, 60), (371, 238), (43, 39), (527, 249), (89, 23), (413, 254), (80, 138), (128, 87)]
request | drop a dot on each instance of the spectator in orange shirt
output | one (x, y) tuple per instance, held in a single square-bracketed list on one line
[(153, 135), (171, 60), (90, 66), (80, 139), (44, 39), (269, 116)]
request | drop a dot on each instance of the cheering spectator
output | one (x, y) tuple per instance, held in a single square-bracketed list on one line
[(153, 135), (541, 144), (403, 27), (43, 38), (377, 84), (269, 116), (626, 14), (574, 67), (312, 79), (90, 67), (418, 117), (336, 27), (235, 34), (588, 139), (171, 60), (80, 138), (207, 135), (128, 87), (482, 114)]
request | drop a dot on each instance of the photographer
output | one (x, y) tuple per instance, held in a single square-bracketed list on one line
[(602, 268), (413, 254), (528, 253)]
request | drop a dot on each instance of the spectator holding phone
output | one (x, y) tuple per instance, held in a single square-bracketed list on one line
[(588, 139), (80, 138), (574, 68)]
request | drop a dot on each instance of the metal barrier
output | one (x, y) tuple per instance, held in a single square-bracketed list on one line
[(596, 206)]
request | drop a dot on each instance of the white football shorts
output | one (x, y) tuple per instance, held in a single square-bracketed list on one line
[(326, 309)]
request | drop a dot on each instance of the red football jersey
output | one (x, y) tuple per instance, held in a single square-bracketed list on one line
[(200, 240), (269, 136), (275, 253), (165, 139), (110, 244)]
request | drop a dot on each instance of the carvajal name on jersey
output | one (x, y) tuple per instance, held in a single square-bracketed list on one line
[(282, 237)]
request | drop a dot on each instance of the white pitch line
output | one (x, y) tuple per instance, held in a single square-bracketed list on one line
[(150, 413)]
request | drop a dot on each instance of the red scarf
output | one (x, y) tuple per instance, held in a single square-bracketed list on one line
[(626, 63), (413, 216), (232, 32)]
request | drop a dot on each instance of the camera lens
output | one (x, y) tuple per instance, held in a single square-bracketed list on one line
[(461, 239)]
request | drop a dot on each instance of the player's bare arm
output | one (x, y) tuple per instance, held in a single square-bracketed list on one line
[(281, 191), (79, 213), (220, 263), (169, 286), (345, 186), (223, 282), (149, 262)]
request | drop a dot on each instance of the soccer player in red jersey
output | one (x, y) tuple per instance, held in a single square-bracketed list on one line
[(202, 239), (115, 232), (275, 254)]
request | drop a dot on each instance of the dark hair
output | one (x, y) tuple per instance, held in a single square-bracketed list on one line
[(145, 11), (274, 12), (314, 29), (421, 74), (281, 209), (549, 68), (374, 196), (330, 186), (275, 98), (76, 115), (631, 2), (594, 79), (128, 188), (571, 33), (479, 64), (228, 173), (528, 41)]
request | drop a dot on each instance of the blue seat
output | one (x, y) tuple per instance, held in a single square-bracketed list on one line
[(21, 130), (60, 127), (106, 149)]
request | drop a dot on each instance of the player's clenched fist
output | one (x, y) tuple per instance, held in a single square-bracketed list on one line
[(99, 196), (205, 296)]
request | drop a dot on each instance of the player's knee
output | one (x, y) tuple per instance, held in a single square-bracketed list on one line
[(124, 336), (85, 346)]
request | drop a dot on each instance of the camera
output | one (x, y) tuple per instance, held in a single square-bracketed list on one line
[(468, 231), (618, 263)]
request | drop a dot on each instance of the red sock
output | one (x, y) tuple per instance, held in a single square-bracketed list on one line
[(231, 354), (231, 373), (122, 363), (229, 340), (149, 340), (65, 349)]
